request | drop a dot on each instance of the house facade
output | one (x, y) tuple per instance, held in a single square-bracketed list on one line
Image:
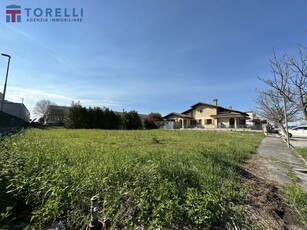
[(207, 116), (55, 115)]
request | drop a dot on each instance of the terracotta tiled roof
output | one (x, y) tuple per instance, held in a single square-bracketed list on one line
[(178, 115), (221, 112)]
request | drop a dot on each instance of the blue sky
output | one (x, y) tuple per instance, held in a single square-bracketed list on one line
[(149, 55)]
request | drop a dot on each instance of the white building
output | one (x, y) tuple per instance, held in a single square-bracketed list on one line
[(56, 115), (253, 117), (16, 109)]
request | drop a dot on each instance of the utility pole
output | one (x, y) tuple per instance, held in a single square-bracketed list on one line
[(286, 121)]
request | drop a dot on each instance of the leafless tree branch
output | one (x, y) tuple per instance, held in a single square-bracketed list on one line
[(290, 79), (41, 108)]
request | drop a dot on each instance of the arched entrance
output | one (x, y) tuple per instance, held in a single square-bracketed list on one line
[(231, 123)]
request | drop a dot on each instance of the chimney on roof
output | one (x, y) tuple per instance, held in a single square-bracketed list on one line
[(215, 102)]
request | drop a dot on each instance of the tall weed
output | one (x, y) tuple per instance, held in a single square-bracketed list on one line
[(145, 179)]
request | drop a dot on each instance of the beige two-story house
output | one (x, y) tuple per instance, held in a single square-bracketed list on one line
[(208, 116)]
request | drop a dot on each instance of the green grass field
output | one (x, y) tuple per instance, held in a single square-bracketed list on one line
[(146, 179)]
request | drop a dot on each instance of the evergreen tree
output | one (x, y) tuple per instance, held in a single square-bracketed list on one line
[(78, 117), (132, 120), (74, 117)]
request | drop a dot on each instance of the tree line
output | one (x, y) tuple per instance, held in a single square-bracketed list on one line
[(78, 117)]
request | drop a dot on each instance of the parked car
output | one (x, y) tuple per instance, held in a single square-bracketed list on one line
[(299, 131), (274, 130)]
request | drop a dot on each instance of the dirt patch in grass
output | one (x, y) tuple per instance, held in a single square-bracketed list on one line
[(267, 207)]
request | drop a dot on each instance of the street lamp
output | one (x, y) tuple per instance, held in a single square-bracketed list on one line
[(7, 73)]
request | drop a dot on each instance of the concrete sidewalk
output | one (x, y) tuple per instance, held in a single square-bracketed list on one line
[(278, 162)]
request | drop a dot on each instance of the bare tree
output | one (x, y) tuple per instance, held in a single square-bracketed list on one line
[(41, 108), (290, 79), (270, 105), (299, 81)]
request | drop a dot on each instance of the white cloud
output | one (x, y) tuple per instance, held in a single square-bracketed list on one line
[(32, 96)]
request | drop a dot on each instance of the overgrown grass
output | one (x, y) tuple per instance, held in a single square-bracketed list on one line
[(147, 179), (297, 196), (302, 152)]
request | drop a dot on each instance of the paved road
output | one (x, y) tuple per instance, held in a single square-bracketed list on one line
[(277, 161), (298, 142)]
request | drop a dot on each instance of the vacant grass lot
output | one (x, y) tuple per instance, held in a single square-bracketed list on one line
[(145, 179)]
